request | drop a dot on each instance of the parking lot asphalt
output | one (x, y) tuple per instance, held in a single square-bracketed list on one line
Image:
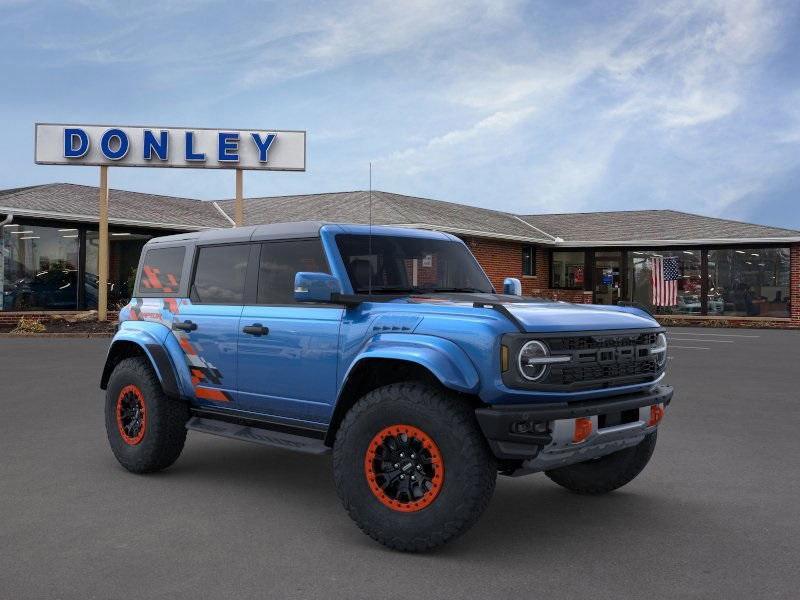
[(716, 514)]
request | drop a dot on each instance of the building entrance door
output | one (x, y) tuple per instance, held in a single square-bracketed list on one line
[(607, 277)]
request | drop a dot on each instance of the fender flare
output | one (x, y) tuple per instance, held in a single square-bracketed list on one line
[(153, 348), (442, 357)]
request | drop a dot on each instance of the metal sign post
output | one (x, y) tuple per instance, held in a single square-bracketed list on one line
[(176, 147), (103, 253), (239, 209)]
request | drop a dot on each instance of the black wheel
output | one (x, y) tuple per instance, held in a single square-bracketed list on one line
[(146, 429), (412, 467), (607, 473)]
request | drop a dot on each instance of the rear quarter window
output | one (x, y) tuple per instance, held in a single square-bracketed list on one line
[(161, 271)]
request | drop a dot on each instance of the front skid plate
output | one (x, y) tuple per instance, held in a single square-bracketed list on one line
[(258, 435)]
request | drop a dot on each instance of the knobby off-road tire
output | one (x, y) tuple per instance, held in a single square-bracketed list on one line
[(606, 473), (461, 471), (152, 438)]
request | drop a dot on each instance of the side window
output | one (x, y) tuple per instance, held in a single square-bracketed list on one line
[(161, 271), (219, 274), (281, 261), (529, 260)]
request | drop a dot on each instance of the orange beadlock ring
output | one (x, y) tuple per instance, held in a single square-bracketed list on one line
[(125, 395), (433, 458)]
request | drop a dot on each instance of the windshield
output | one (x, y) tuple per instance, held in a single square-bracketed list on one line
[(397, 264)]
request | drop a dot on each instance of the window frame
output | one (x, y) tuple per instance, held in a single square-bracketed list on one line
[(533, 260), (588, 262), (141, 292), (193, 273), (256, 276)]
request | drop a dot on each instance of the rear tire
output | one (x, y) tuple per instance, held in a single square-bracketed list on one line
[(606, 473), (454, 470), (146, 430)]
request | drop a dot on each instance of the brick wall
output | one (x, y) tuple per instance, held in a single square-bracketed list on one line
[(794, 283), (502, 259)]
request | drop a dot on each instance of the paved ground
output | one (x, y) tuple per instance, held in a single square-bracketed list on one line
[(715, 515)]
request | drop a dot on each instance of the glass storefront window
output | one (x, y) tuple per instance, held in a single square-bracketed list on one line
[(747, 282), (39, 268), (124, 250), (679, 288), (568, 270)]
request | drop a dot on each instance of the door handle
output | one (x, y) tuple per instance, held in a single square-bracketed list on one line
[(255, 329), (185, 326)]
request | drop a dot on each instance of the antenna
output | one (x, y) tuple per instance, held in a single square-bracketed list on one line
[(369, 253)]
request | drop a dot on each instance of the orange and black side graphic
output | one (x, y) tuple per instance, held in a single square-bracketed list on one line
[(165, 310), (153, 279)]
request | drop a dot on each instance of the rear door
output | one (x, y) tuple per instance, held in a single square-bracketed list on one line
[(208, 325), (287, 351)]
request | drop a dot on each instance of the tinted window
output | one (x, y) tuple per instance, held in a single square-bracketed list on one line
[(567, 270), (220, 273), (38, 268), (280, 262), (392, 264), (161, 271), (528, 260)]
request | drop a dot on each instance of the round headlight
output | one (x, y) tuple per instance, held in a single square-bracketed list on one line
[(529, 359)]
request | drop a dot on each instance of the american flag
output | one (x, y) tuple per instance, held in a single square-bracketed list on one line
[(665, 280)]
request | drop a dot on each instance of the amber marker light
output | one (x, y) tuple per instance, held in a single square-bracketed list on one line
[(504, 358), (583, 429), (656, 414)]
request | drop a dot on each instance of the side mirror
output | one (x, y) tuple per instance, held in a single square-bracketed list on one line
[(315, 287), (512, 286)]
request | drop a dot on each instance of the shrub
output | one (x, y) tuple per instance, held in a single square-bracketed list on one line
[(25, 325)]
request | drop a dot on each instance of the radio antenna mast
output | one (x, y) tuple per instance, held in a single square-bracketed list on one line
[(369, 253)]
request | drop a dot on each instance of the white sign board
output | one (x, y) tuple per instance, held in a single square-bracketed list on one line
[(182, 147)]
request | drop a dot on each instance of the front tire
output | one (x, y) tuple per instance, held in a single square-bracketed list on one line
[(146, 430), (412, 467), (607, 473)]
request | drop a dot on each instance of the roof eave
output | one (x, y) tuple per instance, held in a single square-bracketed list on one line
[(95, 219), (476, 233), (681, 242)]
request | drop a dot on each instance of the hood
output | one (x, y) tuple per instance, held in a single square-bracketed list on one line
[(537, 315), (558, 316)]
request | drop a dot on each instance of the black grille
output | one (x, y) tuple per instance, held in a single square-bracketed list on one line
[(569, 375), (596, 360), (603, 360), (595, 342)]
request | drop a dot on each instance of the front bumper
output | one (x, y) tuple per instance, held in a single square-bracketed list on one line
[(541, 435)]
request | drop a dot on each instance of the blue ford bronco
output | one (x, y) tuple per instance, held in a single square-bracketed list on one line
[(390, 348)]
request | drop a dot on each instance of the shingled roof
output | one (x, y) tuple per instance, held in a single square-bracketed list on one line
[(666, 227), (67, 201), (72, 202), (388, 209)]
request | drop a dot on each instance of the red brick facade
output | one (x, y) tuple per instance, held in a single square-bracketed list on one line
[(794, 299), (501, 259)]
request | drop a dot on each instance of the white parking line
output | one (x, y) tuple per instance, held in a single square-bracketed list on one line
[(682, 339), (698, 334), (689, 347)]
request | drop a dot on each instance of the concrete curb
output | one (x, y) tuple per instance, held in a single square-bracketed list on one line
[(56, 335)]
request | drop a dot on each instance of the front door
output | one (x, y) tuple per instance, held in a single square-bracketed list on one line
[(207, 327), (607, 277), (288, 352)]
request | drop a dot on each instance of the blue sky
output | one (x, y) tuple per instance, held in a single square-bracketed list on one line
[(522, 106)]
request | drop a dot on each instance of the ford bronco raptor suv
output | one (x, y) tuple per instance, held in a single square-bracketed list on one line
[(390, 348)]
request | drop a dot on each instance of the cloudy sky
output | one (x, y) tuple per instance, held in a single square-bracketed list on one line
[(556, 106)]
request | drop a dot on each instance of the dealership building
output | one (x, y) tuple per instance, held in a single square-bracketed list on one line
[(721, 271)]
